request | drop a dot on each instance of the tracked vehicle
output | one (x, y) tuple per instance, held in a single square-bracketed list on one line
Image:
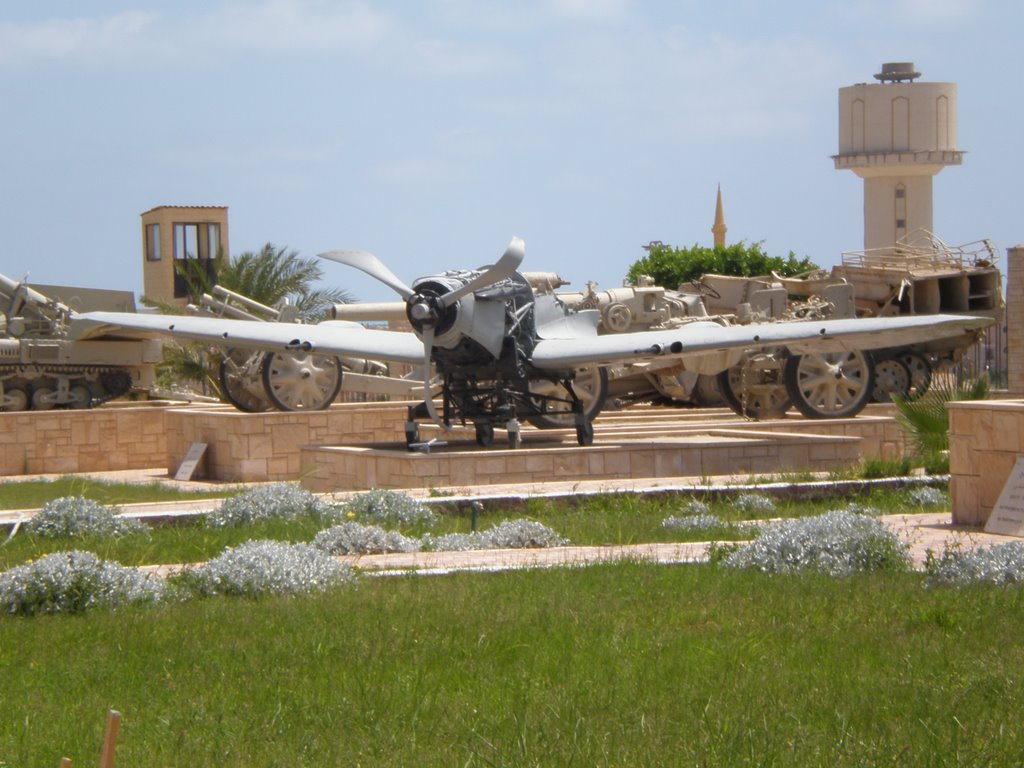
[(43, 367)]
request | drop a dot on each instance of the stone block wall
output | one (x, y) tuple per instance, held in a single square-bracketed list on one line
[(985, 439), (99, 440)]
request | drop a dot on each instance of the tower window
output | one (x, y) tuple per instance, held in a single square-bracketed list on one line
[(152, 242)]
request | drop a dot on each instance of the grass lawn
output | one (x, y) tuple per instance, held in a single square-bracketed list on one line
[(34, 493), (626, 664)]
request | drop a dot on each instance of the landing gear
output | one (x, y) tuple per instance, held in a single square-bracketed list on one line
[(920, 373), (830, 385), (484, 434), (584, 431), (301, 382)]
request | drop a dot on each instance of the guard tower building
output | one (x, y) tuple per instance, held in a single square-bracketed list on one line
[(897, 134), (173, 234)]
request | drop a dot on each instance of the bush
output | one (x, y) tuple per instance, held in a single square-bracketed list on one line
[(523, 534), (926, 496), (71, 516), (258, 568), (357, 539), (693, 523), (457, 542), (280, 501), (837, 543), (1000, 564), (389, 508), (754, 504), (72, 582)]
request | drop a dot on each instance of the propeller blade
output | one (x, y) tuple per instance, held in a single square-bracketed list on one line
[(371, 265), (505, 267)]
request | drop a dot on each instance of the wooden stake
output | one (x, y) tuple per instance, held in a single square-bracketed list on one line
[(110, 739)]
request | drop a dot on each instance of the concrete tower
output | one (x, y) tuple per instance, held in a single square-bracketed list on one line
[(719, 229), (896, 135)]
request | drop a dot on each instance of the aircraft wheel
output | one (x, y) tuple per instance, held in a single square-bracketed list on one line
[(43, 399), (298, 381), (484, 434), (591, 387), (15, 399), (892, 378), (920, 373), (754, 391), (585, 433), (706, 392), (830, 385), (239, 381), (80, 396)]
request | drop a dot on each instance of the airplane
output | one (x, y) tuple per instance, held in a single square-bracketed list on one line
[(503, 353)]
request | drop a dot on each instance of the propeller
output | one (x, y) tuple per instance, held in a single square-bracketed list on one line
[(427, 310), (371, 265)]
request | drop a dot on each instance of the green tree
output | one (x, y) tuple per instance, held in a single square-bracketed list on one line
[(671, 267)]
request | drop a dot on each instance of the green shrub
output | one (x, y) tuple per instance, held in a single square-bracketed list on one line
[(279, 501), (71, 516), (671, 267), (389, 508)]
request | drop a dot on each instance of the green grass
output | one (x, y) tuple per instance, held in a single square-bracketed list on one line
[(587, 520), (34, 493), (625, 664)]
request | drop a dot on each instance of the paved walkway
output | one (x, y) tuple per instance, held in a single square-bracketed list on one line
[(922, 532)]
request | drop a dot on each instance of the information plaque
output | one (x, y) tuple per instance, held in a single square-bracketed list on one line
[(1007, 516), (191, 461)]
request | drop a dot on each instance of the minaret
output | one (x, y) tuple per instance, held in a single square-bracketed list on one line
[(896, 135), (719, 229)]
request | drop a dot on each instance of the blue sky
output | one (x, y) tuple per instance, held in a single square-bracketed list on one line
[(431, 132)]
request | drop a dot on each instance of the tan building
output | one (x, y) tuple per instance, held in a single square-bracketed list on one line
[(897, 134), (172, 234)]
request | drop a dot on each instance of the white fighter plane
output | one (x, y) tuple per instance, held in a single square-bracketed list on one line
[(502, 353)]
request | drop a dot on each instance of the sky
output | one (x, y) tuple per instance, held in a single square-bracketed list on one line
[(430, 132)]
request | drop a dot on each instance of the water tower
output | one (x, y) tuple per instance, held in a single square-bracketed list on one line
[(896, 134)]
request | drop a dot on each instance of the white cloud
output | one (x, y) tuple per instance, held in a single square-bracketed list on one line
[(76, 38), (590, 10)]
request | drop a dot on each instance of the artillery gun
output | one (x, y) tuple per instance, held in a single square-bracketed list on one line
[(42, 366), (256, 381)]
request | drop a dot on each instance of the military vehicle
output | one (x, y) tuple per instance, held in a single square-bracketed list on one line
[(41, 367)]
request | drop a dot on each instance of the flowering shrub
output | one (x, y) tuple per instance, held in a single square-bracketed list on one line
[(754, 504), (702, 522), (926, 496), (77, 516), (71, 582), (279, 501), (509, 534), (862, 509), (357, 539), (1000, 564), (695, 507), (522, 534), (457, 542), (390, 508), (836, 543), (265, 567)]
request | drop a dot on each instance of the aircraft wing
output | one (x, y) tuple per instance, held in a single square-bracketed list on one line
[(799, 337), (327, 338)]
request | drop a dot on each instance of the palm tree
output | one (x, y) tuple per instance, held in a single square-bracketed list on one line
[(272, 276)]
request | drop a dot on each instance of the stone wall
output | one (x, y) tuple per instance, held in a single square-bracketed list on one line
[(985, 439), (99, 440)]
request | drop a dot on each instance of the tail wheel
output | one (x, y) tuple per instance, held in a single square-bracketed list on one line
[(300, 381), (830, 385), (892, 378)]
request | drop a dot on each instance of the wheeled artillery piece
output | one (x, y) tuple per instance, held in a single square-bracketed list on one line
[(42, 366)]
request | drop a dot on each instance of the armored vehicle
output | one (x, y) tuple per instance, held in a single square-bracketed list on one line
[(43, 367)]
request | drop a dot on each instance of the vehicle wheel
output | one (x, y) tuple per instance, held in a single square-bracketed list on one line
[(920, 374), (830, 385), (585, 433), (591, 387), (240, 381), (484, 434), (80, 396), (617, 317), (43, 399), (14, 399), (754, 391), (892, 377), (706, 392), (297, 381)]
